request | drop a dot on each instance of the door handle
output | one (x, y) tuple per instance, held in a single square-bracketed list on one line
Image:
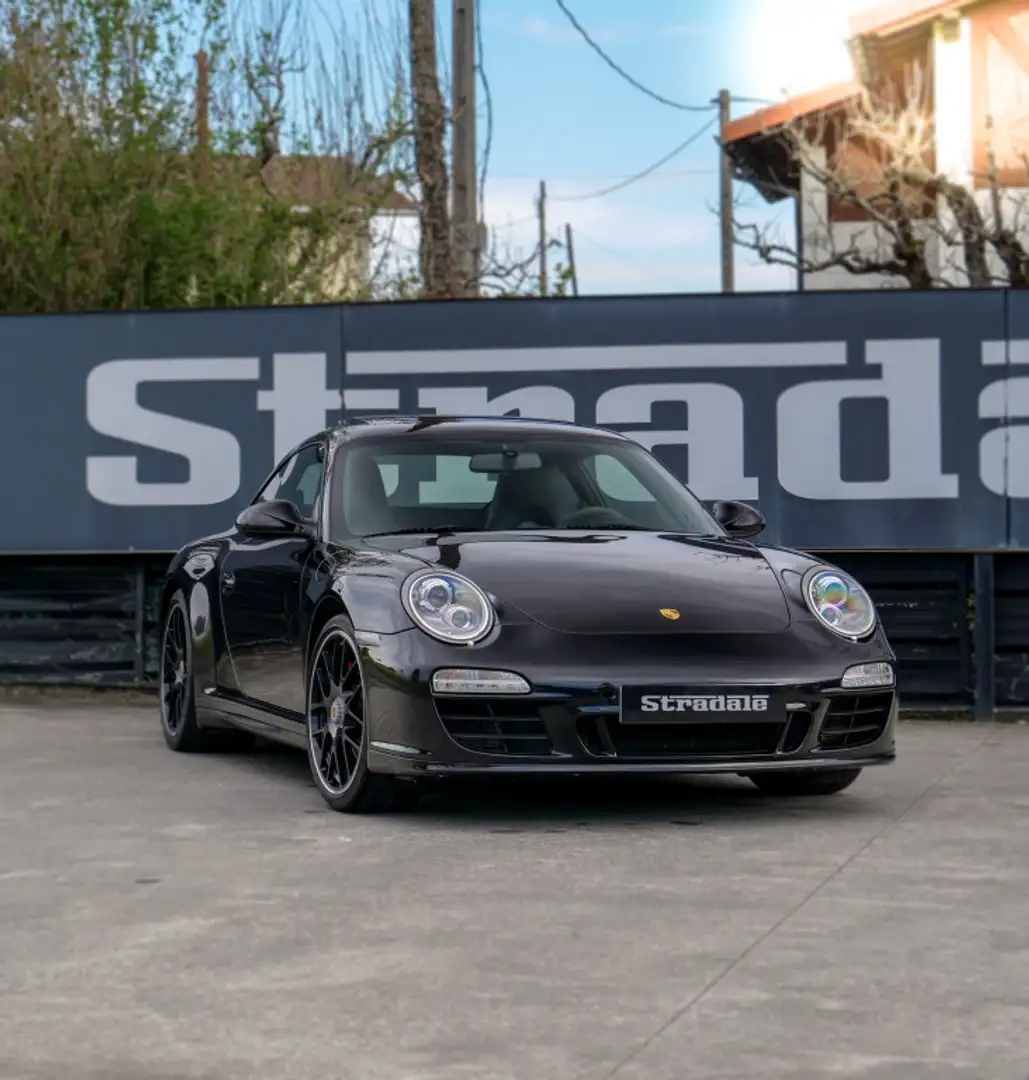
[(228, 582)]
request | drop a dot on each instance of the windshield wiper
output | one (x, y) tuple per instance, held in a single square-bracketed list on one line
[(632, 527), (607, 526), (421, 531)]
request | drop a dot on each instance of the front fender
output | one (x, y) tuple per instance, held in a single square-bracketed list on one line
[(791, 566), (373, 602)]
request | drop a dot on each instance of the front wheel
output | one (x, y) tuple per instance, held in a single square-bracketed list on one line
[(337, 725), (817, 782)]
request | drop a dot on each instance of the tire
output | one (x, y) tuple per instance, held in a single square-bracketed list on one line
[(337, 745), (183, 733), (177, 702), (818, 782)]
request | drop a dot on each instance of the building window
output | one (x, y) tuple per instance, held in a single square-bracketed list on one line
[(1000, 93)]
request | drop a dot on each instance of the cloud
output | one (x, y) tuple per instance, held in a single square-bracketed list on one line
[(790, 46), (622, 244), (544, 28), (559, 32), (682, 30)]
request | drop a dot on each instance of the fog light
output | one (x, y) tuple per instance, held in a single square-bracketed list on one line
[(864, 676), (474, 681)]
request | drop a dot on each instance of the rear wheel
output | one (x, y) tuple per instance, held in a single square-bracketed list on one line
[(179, 723), (337, 725), (178, 707), (817, 782)]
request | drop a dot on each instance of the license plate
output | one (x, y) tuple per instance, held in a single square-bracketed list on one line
[(710, 705)]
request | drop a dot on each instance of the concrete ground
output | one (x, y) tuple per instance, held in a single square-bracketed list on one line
[(165, 916)]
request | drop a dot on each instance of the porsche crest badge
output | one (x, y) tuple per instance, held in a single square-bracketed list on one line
[(670, 613)]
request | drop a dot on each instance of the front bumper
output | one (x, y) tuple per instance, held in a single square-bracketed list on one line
[(571, 722)]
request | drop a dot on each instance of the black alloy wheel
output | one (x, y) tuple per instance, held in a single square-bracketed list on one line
[(178, 708), (337, 726)]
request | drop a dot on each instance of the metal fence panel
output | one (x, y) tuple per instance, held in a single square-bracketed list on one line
[(93, 621)]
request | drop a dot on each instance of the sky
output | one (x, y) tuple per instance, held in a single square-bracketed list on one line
[(561, 115)]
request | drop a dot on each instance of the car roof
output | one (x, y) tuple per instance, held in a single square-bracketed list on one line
[(399, 426)]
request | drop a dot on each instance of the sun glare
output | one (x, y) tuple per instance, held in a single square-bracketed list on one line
[(797, 45)]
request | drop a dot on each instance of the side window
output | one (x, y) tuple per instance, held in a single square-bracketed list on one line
[(617, 483), (299, 480)]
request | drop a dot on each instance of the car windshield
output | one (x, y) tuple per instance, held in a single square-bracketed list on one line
[(427, 482)]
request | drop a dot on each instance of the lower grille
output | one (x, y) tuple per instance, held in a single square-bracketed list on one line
[(854, 720), (507, 726), (609, 738), (796, 731)]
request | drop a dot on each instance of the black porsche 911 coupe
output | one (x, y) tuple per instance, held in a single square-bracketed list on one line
[(415, 598)]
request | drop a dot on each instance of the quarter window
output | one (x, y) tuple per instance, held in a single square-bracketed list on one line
[(298, 479)]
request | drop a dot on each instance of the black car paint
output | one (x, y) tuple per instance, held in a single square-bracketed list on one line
[(622, 578), (578, 616)]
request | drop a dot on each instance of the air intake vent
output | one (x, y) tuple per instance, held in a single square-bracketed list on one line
[(495, 725), (608, 738), (855, 720)]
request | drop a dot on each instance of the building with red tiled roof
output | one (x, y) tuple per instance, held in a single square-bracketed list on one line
[(972, 58)]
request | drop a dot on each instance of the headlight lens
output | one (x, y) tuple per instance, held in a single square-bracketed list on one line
[(868, 676), (840, 603), (448, 607)]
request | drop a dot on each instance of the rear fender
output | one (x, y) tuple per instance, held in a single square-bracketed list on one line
[(196, 573)]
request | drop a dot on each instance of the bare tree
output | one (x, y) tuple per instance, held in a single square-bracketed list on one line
[(876, 202)]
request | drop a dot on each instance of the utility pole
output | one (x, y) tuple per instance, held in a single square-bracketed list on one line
[(541, 209), (725, 195), (435, 244), (465, 215), (571, 259)]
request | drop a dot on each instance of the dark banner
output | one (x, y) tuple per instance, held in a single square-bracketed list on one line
[(138, 432), (853, 420)]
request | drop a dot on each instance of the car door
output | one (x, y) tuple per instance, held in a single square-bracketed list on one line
[(261, 584)]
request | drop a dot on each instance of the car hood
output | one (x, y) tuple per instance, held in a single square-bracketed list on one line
[(593, 583)]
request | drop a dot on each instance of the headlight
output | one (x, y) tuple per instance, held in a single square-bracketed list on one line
[(448, 607), (839, 603)]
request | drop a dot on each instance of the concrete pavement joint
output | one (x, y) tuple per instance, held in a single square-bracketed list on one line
[(712, 984)]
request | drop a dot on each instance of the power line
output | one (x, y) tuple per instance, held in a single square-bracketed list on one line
[(635, 178), (480, 68), (624, 74), (620, 255), (645, 173), (517, 221), (570, 178)]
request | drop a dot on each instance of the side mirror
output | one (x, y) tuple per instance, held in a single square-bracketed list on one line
[(739, 519), (277, 517)]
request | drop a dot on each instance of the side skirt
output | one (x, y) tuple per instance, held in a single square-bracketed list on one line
[(268, 723)]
